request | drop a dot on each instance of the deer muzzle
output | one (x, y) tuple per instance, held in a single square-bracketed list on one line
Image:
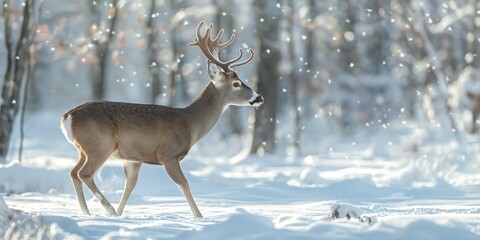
[(256, 100)]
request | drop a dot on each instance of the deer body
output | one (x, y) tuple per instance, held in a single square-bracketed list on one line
[(143, 132), (126, 137), (153, 134)]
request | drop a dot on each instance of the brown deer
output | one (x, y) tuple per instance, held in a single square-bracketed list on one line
[(154, 134)]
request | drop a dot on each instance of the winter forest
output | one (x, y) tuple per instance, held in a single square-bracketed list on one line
[(368, 129)]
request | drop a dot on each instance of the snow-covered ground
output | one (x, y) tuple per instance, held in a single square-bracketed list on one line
[(402, 182)]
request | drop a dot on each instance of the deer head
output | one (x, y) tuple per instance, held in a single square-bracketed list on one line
[(222, 74)]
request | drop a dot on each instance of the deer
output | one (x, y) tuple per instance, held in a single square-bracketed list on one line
[(154, 134)]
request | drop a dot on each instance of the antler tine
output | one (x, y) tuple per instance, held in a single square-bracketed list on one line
[(215, 43), (208, 33), (198, 35), (207, 45), (203, 42), (252, 54), (228, 42), (218, 37), (235, 59)]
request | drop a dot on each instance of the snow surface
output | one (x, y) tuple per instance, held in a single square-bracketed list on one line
[(415, 182)]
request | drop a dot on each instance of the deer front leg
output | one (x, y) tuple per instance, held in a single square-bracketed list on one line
[(175, 172), (131, 170)]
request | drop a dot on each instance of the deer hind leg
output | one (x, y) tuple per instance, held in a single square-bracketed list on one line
[(175, 172), (131, 170), (95, 159), (77, 183)]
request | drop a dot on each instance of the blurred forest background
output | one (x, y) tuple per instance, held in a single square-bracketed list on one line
[(341, 65)]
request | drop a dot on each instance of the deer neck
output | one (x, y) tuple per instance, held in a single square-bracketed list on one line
[(204, 112)]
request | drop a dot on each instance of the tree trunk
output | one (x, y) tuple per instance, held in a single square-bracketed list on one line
[(174, 72), (102, 48), (176, 63), (16, 72), (227, 22), (442, 91), (347, 19), (294, 78), (473, 46), (152, 50), (267, 75)]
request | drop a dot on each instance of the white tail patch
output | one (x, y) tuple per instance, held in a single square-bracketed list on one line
[(64, 129)]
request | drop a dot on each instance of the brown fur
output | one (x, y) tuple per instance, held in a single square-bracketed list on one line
[(146, 133), (142, 133), (135, 132)]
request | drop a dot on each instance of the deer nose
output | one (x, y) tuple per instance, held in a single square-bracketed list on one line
[(257, 101)]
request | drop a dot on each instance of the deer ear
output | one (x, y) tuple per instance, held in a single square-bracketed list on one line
[(214, 72)]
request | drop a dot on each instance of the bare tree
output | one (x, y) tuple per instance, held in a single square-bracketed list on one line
[(264, 139), (295, 75), (346, 16), (473, 44), (102, 42), (224, 19), (152, 53), (177, 84), (414, 19), (17, 71)]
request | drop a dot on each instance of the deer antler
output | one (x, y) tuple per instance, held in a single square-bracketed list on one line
[(205, 43)]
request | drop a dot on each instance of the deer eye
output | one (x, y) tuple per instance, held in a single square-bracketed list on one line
[(236, 84)]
